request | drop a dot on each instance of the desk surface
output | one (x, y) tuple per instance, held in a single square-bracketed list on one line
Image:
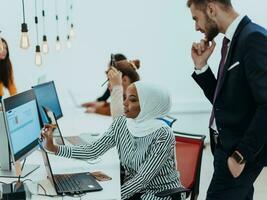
[(76, 122)]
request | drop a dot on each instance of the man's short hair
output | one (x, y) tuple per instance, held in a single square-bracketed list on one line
[(202, 4)]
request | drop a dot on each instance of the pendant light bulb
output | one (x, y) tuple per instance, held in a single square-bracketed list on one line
[(68, 42), (45, 48), (72, 31), (38, 56), (58, 44), (24, 40)]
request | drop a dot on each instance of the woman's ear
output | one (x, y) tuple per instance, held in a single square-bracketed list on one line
[(126, 80)]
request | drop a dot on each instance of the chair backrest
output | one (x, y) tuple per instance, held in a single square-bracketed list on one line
[(189, 149), (169, 120)]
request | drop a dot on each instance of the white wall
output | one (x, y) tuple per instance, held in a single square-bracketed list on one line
[(157, 32)]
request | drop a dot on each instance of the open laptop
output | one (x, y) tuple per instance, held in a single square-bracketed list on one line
[(83, 138), (41, 79), (71, 184), (73, 99)]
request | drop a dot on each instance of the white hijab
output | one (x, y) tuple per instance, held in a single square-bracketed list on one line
[(154, 102)]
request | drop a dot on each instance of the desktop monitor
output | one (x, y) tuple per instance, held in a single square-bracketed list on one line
[(5, 164), (22, 128), (46, 96)]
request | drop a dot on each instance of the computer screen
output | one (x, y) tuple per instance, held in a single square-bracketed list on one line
[(22, 123), (47, 166), (46, 96)]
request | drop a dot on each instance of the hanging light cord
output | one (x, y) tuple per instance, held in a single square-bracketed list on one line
[(36, 23), (67, 12), (71, 10), (67, 18), (57, 18), (23, 11), (43, 14)]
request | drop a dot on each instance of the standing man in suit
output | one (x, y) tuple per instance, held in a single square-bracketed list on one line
[(238, 121)]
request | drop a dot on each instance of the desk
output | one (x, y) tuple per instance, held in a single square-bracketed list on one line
[(75, 122)]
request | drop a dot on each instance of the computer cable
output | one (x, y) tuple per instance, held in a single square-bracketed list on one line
[(21, 169), (5, 183), (39, 185)]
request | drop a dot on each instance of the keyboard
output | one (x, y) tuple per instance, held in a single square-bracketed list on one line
[(83, 138), (75, 140), (67, 183), (76, 183)]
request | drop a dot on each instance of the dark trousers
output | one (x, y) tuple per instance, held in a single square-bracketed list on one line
[(122, 172), (224, 186)]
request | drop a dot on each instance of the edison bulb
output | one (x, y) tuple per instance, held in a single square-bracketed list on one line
[(45, 48), (24, 39), (38, 56)]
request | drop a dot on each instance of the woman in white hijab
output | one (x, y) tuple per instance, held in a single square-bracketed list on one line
[(145, 145), (154, 103)]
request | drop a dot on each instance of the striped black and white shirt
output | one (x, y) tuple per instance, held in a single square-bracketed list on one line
[(149, 161)]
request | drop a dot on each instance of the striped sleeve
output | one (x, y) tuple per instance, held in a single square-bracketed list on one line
[(116, 101), (158, 155), (90, 151)]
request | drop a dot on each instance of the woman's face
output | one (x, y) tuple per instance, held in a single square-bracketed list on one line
[(4, 52), (131, 103)]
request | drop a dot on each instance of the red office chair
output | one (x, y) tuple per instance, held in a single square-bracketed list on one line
[(169, 120), (189, 149)]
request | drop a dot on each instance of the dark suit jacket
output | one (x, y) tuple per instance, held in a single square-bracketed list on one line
[(241, 104)]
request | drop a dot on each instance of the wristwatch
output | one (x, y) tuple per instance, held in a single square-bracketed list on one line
[(238, 157)]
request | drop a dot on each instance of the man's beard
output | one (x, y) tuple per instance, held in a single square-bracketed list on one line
[(212, 29)]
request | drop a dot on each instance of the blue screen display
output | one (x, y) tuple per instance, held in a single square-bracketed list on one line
[(46, 97)]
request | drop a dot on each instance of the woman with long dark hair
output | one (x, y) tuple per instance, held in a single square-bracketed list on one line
[(6, 72)]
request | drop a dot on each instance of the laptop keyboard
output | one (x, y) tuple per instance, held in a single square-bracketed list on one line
[(84, 138), (75, 140), (68, 183)]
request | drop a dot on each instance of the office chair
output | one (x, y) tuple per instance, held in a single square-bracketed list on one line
[(169, 120), (189, 149)]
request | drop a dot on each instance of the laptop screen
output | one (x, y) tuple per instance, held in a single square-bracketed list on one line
[(47, 166)]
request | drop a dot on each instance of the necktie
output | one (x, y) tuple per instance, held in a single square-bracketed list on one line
[(220, 74)]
